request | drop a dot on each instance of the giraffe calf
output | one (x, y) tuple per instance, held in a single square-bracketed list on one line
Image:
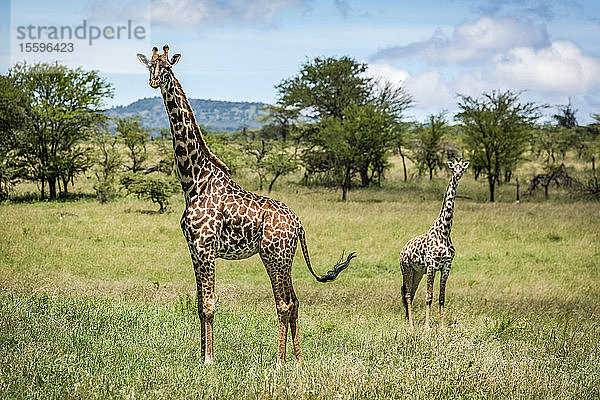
[(430, 252)]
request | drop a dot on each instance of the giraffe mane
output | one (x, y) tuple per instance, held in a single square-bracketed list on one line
[(209, 154)]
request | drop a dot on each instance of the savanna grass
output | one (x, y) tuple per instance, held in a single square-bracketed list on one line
[(97, 301)]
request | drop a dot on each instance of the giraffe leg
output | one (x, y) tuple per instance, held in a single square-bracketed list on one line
[(429, 296), (295, 327), (208, 311), (416, 280), (205, 281), (279, 271), (277, 250), (406, 292), (199, 299), (443, 279), (284, 305)]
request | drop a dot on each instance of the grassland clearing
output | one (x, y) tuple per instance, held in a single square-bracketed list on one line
[(96, 301)]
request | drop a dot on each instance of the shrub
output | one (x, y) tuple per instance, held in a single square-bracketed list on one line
[(155, 187)]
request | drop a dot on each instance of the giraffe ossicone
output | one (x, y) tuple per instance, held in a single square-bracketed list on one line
[(222, 220), (430, 252)]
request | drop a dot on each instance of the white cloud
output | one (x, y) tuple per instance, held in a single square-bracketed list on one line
[(427, 88), (560, 67), (388, 72), (495, 54), (487, 36), (430, 90), (197, 14)]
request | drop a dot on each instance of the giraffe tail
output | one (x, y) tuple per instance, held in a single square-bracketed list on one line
[(337, 268)]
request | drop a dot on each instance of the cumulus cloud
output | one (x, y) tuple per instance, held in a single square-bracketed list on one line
[(560, 67), (485, 37), (427, 88), (388, 72), (493, 53), (199, 14)]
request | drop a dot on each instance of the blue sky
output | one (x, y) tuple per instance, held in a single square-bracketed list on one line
[(239, 50)]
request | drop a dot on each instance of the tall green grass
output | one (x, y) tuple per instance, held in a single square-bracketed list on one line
[(97, 301), (93, 347)]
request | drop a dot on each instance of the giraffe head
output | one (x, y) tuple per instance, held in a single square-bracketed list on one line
[(458, 167), (159, 66)]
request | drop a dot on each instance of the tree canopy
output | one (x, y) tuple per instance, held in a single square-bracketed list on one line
[(62, 104), (496, 129), (14, 115), (427, 143), (353, 119), (134, 136)]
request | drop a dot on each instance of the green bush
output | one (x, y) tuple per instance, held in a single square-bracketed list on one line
[(155, 187)]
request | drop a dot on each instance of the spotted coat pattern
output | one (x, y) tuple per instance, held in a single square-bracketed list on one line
[(430, 252), (222, 220)]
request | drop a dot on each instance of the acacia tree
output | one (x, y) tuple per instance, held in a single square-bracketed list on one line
[(325, 87), (496, 130), (63, 103), (550, 141), (156, 187), (565, 116), (14, 110), (107, 162), (258, 149), (326, 92), (588, 141), (279, 162), (557, 139), (134, 136), (360, 138), (427, 144), (279, 122)]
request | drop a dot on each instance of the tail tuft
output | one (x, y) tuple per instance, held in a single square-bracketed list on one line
[(337, 268)]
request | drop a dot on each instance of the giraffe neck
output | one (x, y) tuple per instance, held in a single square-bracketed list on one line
[(193, 158), (448, 206)]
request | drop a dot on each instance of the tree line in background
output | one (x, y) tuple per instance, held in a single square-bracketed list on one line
[(333, 120)]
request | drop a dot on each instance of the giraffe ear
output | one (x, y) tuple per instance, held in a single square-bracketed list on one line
[(465, 164), (143, 59), (175, 59), (450, 165)]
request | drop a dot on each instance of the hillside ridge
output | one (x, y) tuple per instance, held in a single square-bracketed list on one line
[(219, 115)]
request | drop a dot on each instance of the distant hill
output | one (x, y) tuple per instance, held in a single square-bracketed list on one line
[(213, 114)]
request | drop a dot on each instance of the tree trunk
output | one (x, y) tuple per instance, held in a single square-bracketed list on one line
[(260, 182), (518, 187), (403, 165), (492, 184), (65, 186), (364, 177), (346, 184), (273, 181), (430, 173), (52, 188)]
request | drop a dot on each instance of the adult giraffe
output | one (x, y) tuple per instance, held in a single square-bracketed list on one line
[(222, 220)]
